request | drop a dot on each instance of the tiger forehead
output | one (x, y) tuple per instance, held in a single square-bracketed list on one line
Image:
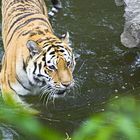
[(53, 46), (54, 51)]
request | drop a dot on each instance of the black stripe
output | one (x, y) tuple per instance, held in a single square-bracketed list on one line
[(40, 66), (25, 7), (23, 1), (19, 5), (40, 32), (55, 46), (52, 56), (61, 51), (18, 19), (53, 52), (24, 66), (20, 8), (18, 14), (11, 4), (11, 87), (34, 3), (60, 46), (33, 34), (26, 33), (49, 48), (27, 2), (25, 23), (46, 44), (41, 40), (41, 6), (35, 64), (44, 59), (68, 51)]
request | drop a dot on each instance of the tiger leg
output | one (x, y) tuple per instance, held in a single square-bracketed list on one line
[(56, 7), (12, 99), (9, 95)]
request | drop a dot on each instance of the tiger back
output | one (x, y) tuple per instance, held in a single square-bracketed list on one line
[(34, 58)]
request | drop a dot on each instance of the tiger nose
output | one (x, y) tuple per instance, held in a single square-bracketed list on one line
[(66, 84)]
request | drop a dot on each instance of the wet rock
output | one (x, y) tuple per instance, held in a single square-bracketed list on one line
[(131, 34)]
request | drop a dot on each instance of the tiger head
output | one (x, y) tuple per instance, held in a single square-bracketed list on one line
[(51, 66)]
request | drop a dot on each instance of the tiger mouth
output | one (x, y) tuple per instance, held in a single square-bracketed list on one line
[(61, 92)]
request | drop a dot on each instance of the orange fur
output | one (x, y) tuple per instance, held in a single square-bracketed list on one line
[(19, 26)]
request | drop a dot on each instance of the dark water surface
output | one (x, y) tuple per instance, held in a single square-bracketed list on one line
[(105, 70)]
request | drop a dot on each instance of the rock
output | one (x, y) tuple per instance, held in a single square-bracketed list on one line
[(131, 35)]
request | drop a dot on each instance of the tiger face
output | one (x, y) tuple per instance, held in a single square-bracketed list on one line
[(51, 67)]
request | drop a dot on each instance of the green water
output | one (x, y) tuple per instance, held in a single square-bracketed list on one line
[(105, 69)]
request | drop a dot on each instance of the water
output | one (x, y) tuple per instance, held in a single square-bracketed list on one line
[(105, 69)]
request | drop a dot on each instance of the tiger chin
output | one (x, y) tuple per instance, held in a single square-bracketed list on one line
[(36, 61)]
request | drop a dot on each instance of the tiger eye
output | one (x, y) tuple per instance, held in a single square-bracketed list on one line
[(52, 67)]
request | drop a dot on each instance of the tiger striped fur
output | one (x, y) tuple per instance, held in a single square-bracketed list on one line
[(35, 58)]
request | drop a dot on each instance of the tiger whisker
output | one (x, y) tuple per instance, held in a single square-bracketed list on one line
[(76, 88), (43, 94), (43, 91), (48, 98), (81, 66), (44, 99), (53, 98)]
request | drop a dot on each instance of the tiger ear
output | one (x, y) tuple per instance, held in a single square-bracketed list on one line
[(65, 38), (33, 48)]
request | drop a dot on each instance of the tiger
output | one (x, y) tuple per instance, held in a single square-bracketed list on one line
[(35, 60)]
